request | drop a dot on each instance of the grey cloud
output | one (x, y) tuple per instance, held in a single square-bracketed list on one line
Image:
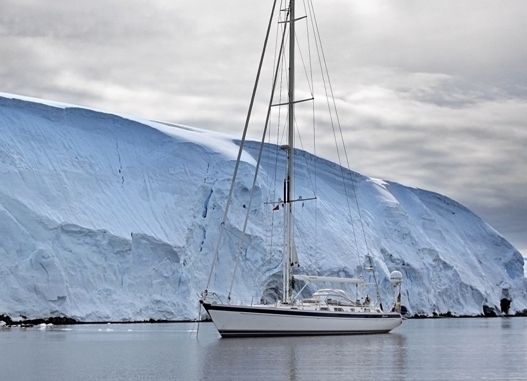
[(430, 94)]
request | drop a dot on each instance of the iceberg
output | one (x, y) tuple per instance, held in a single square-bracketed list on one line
[(107, 217)]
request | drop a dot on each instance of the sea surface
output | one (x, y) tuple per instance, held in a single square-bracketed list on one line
[(428, 349)]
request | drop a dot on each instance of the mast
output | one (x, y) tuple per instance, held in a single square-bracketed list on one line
[(288, 182)]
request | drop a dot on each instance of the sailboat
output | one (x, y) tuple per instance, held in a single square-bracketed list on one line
[(328, 311)]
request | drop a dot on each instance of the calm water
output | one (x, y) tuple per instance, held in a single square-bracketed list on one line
[(439, 349)]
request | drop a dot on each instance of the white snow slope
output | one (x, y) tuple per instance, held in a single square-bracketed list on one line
[(110, 218)]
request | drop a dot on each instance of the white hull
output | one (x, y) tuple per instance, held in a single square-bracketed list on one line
[(240, 321)]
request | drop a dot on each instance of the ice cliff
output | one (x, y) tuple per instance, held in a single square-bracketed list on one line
[(107, 217)]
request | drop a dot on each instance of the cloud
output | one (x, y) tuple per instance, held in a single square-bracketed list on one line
[(436, 134), (430, 94)]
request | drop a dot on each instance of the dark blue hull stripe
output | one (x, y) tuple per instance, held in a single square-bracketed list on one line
[(234, 333), (293, 312)]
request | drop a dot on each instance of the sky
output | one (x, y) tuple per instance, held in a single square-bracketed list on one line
[(430, 94)]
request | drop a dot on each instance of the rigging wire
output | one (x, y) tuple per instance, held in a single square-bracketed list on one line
[(263, 270), (368, 255), (279, 63), (272, 191), (256, 171), (240, 151), (329, 94), (315, 161), (235, 237)]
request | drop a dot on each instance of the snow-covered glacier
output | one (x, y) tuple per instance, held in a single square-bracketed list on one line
[(105, 217)]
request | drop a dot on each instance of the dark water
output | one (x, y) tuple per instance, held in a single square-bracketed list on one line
[(439, 349)]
